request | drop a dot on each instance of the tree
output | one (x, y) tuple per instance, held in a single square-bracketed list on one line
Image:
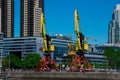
[(97, 65), (113, 57), (104, 65), (31, 60), (5, 63), (11, 61)]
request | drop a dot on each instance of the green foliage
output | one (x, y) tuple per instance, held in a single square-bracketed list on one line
[(97, 65), (15, 62), (31, 60), (104, 65), (113, 57), (5, 63), (12, 61)]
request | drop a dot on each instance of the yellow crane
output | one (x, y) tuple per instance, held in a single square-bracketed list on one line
[(78, 48), (47, 63), (81, 44), (47, 47)]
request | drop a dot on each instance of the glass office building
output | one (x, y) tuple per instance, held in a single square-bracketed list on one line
[(95, 54), (1, 48), (22, 46), (61, 49), (1, 42)]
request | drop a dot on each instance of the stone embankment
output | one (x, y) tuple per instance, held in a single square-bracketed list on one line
[(30, 75)]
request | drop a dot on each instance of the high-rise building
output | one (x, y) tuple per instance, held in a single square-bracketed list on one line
[(30, 17), (7, 18), (114, 26)]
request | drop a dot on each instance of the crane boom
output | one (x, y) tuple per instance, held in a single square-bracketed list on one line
[(80, 37), (42, 32), (77, 32), (46, 39), (76, 21), (42, 22)]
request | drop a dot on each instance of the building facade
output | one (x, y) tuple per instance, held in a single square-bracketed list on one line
[(61, 47), (1, 42), (94, 53), (30, 17), (114, 26), (22, 46), (26, 45), (7, 18), (1, 48)]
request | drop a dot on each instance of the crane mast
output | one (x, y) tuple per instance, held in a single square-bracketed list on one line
[(81, 44), (78, 46), (47, 62), (42, 32)]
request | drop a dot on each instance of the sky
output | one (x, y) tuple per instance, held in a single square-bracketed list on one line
[(95, 16)]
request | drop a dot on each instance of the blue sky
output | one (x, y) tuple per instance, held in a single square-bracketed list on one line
[(95, 16)]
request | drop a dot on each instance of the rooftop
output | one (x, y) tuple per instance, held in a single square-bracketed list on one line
[(117, 7)]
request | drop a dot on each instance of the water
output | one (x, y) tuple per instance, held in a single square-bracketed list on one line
[(63, 79)]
